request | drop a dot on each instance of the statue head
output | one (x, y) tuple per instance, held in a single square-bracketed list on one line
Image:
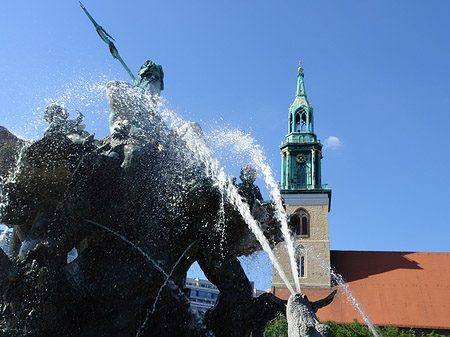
[(248, 174), (150, 77), (55, 113)]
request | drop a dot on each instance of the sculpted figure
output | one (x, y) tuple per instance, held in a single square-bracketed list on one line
[(247, 189), (120, 117), (58, 119), (150, 78), (302, 320), (134, 109)]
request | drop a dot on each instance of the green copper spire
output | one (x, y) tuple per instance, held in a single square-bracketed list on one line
[(301, 151), (301, 113)]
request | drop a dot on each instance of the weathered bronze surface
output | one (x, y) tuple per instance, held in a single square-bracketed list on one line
[(140, 209)]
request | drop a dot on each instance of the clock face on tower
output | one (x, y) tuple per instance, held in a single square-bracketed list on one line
[(301, 158)]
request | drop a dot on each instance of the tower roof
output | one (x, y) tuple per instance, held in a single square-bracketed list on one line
[(301, 100), (301, 116)]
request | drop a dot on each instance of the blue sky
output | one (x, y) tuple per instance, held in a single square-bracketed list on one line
[(376, 72)]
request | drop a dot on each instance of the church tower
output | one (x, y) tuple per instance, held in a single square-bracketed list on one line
[(306, 200)]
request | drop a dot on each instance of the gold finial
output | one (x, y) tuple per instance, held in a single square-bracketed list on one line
[(300, 69)]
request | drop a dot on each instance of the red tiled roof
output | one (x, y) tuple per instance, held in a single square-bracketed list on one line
[(395, 288)]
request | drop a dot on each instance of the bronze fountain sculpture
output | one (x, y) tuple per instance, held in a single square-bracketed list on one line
[(139, 208)]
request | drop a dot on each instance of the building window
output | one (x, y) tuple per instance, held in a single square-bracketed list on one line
[(304, 226), (300, 254), (299, 223), (301, 266)]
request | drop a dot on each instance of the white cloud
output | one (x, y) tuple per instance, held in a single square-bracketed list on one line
[(332, 143)]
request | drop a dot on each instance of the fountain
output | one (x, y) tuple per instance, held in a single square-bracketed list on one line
[(139, 206)]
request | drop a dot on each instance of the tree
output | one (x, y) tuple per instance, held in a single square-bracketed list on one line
[(277, 327)]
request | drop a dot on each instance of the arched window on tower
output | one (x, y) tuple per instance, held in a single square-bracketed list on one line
[(301, 261), (300, 120), (299, 223), (297, 122)]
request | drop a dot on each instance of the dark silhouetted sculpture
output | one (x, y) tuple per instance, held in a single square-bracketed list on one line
[(139, 208)]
